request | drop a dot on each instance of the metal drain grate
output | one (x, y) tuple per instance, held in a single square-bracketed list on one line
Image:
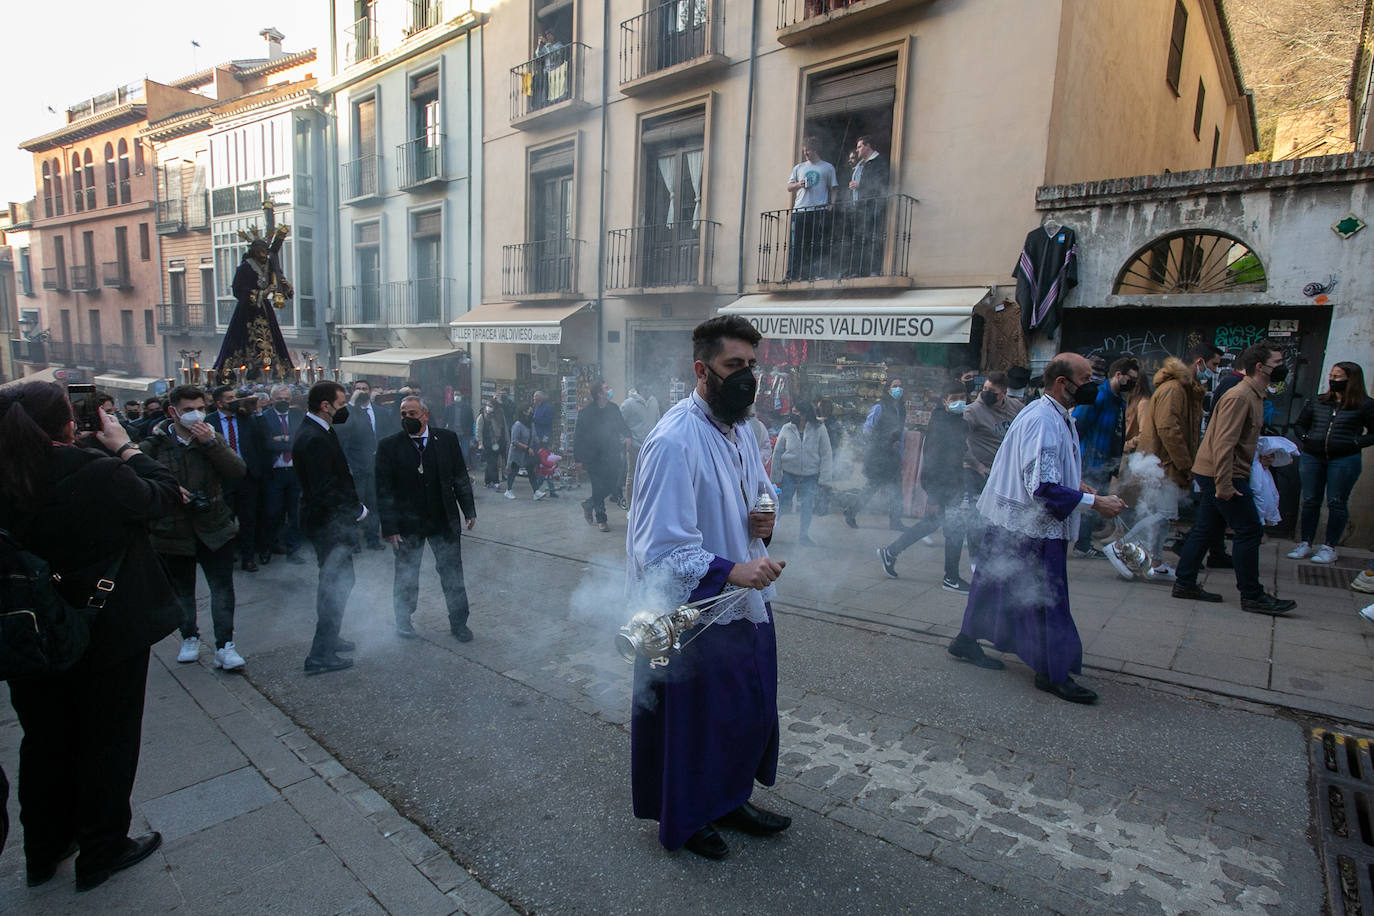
[(1326, 576), (1344, 770)]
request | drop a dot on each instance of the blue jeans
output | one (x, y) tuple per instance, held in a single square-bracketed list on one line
[(805, 488), (1213, 517), (1335, 476)]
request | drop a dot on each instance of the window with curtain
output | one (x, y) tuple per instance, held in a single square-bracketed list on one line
[(125, 192), (90, 179), (57, 193), (78, 198), (674, 157)]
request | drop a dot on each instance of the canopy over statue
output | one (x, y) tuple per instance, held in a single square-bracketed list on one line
[(254, 339)]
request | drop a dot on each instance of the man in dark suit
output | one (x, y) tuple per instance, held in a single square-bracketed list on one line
[(235, 422), (422, 484), (330, 512), (868, 187), (359, 441), (281, 498)]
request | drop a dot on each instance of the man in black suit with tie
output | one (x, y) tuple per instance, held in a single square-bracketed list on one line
[(330, 512), (244, 435), (359, 441), (422, 484), (281, 499)]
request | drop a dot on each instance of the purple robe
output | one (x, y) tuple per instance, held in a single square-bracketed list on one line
[(1019, 597), (705, 727)]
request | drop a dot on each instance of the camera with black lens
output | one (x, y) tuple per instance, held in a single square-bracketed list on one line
[(197, 501)]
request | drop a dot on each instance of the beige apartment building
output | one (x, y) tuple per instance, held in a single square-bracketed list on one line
[(637, 163)]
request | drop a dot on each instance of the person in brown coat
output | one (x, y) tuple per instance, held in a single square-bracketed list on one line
[(1171, 426)]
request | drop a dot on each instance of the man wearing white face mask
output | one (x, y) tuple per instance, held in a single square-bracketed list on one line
[(202, 529)]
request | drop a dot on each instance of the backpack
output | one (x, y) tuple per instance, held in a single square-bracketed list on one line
[(40, 632)]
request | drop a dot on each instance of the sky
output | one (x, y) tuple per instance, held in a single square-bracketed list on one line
[(61, 58)]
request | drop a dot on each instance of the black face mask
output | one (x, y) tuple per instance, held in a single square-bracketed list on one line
[(971, 386), (363, 399), (989, 398), (340, 415), (282, 406), (1128, 384), (732, 395), (1337, 385), (411, 425), (1279, 373), (1085, 395)]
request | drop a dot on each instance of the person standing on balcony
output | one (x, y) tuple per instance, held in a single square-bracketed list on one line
[(868, 188), (813, 184)]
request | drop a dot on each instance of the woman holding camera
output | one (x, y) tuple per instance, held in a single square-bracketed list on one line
[(84, 511)]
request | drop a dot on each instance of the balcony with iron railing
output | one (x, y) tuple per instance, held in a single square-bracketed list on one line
[(23, 350), (856, 244), (802, 21), (361, 42), (669, 43), (198, 211), (423, 14), (661, 259), (89, 355), (116, 274), (171, 216), (119, 358), (420, 162), (541, 270), (548, 87), (358, 180), (55, 278), (186, 317), (83, 279), (60, 352), (420, 302)]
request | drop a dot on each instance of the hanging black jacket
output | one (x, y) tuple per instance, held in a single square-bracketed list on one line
[(1326, 430)]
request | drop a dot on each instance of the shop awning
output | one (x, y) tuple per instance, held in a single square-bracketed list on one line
[(129, 383), (395, 362), (911, 316), (513, 322)]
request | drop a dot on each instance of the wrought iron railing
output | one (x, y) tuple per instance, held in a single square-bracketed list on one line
[(117, 356), (359, 178), (540, 268), (362, 43), (420, 161), (198, 211), (402, 303), (88, 355), (647, 257), (794, 12), (361, 304), (171, 216), (83, 278), (864, 238), (186, 317), (55, 278), (115, 274), (59, 351), (424, 14), (669, 34), (552, 78)]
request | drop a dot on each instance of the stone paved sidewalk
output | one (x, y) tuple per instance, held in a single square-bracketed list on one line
[(255, 817)]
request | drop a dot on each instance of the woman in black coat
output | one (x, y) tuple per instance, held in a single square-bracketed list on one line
[(1333, 429), (81, 510)]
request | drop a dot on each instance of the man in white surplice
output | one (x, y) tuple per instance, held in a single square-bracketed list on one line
[(705, 727)]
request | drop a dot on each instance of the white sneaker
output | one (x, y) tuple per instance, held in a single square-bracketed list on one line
[(1114, 555), (1364, 582), (190, 649), (228, 658), (1368, 613), (1165, 573), (541, 494), (928, 541), (1301, 552), (1327, 554), (510, 494)]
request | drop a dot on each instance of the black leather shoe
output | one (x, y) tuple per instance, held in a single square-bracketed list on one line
[(1267, 604), (1220, 561), (135, 851), (376, 545), (1067, 690), (265, 557), (247, 565), (1194, 593), (755, 821), (41, 873), (707, 843), (345, 645), (406, 631), (319, 665), (462, 633), (850, 519), (968, 650)]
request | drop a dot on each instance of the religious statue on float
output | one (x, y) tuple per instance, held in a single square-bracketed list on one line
[(253, 348)]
